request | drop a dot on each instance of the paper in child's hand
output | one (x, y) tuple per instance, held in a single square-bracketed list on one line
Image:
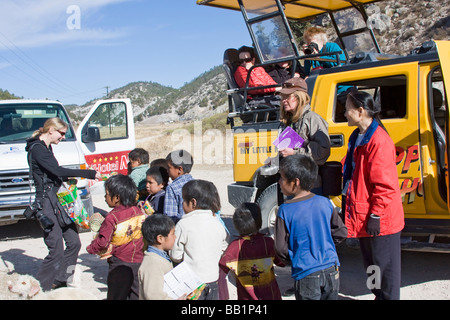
[(182, 280)]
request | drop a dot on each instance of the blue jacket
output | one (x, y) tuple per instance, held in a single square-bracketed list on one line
[(328, 47), (305, 226)]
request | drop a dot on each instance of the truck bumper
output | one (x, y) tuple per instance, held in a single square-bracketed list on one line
[(238, 193), (12, 208)]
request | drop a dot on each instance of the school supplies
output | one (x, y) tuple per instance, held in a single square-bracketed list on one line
[(288, 139), (68, 197)]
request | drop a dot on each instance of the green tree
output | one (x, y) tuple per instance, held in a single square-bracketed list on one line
[(5, 95)]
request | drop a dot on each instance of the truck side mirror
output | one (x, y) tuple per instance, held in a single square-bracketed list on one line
[(91, 135)]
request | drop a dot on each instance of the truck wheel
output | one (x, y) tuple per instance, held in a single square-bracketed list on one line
[(269, 207)]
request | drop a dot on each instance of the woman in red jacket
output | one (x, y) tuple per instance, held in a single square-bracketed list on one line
[(373, 203), (258, 76)]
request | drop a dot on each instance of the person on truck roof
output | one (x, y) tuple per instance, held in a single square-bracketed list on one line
[(282, 71), (316, 41), (258, 76)]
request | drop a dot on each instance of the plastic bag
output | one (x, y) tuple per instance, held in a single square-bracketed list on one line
[(69, 199)]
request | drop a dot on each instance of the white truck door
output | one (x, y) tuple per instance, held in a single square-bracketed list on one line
[(107, 135)]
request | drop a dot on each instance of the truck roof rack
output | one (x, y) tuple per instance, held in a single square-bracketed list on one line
[(361, 57)]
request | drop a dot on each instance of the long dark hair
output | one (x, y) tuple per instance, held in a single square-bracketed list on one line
[(365, 100)]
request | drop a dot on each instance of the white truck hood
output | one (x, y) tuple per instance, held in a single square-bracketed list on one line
[(14, 156)]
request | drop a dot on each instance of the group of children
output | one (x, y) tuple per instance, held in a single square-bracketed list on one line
[(184, 225)]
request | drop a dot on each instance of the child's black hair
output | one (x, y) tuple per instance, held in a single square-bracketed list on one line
[(204, 192), (160, 162), (247, 218), (154, 225), (123, 187), (139, 154), (181, 158), (302, 167), (160, 174)]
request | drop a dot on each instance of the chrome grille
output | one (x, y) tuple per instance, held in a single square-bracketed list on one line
[(14, 181)]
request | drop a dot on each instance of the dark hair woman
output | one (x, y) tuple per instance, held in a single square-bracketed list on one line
[(373, 203)]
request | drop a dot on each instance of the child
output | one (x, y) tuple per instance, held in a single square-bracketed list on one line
[(201, 238), (251, 257), (159, 232), (121, 231), (157, 179), (138, 162), (180, 164), (303, 231), (160, 162)]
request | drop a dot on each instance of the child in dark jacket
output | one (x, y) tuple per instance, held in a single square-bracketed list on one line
[(120, 233), (157, 180)]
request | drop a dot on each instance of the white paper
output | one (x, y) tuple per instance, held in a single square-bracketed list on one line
[(180, 280)]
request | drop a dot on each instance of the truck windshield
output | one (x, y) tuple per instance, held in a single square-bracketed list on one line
[(19, 121)]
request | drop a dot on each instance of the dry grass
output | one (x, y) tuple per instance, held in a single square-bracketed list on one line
[(207, 146)]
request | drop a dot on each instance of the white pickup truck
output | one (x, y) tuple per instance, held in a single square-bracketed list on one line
[(102, 142)]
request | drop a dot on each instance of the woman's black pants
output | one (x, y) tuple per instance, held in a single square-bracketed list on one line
[(60, 262), (382, 261)]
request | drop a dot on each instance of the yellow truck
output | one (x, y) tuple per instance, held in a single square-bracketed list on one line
[(412, 90)]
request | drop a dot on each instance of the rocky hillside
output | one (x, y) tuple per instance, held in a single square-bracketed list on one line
[(399, 25), (402, 25), (413, 22), (154, 103)]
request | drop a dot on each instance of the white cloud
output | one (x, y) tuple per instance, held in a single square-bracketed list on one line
[(44, 22)]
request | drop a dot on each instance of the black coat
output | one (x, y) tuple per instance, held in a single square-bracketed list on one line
[(43, 161)]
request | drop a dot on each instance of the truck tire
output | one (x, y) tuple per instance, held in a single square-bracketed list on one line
[(268, 203)]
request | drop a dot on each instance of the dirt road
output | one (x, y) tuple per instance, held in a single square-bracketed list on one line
[(424, 275)]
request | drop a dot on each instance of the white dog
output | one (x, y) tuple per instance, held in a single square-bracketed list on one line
[(7, 275), (27, 287)]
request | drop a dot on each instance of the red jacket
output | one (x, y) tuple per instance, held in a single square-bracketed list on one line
[(258, 78), (373, 184), (122, 229)]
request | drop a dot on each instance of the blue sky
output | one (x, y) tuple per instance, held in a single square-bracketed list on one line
[(48, 50)]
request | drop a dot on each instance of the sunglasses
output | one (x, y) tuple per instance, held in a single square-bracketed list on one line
[(62, 133), (245, 60)]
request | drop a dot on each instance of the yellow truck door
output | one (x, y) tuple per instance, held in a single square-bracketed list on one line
[(444, 58)]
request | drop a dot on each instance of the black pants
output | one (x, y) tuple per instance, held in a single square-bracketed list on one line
[(382, 261), (60, 263), (123, 281)]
